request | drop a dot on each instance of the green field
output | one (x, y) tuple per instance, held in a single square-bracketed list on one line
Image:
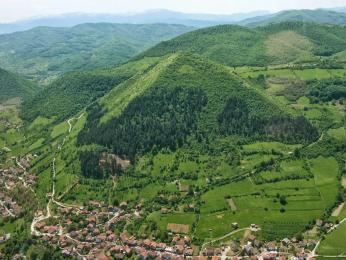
[(334, 243)]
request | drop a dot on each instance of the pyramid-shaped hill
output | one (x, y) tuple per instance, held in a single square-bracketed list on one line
[(186, 97)]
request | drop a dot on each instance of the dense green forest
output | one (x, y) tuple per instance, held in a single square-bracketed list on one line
[(43, 53), (13, 86), (235, 120), (327, 90), (311, 16), (237, 46), (162, 118)]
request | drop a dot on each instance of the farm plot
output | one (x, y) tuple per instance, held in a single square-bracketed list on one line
[(176, 222), (294, 169), (334, 243), (178, 228), (275, 206)]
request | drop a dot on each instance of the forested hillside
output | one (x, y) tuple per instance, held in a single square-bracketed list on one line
[(320, 16), (74, 91), (43, 53), (191, 97), (14, 86), (232, 45)]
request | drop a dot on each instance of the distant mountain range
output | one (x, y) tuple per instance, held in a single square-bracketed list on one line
[(315, 16), (256, 18), (152, 16), (339, 9), (45, 52)]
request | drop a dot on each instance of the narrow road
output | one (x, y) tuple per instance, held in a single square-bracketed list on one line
[(319, 139), (8, 211), (51, 200), (73, 118)]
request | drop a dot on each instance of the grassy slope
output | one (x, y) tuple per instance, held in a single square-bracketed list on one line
[(74, 91), (334, 243), (46, 52)]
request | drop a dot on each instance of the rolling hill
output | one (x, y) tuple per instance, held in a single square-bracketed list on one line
[(43, 53), (147, 17), (321, 16), (234, 45), (14, 86), (230, 45)]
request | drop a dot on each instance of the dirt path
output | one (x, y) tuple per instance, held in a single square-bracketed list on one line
[(22, 179), (73, 118), (51, 200), (319, 139), (338, 210)]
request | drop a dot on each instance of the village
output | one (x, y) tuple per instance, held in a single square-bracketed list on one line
[(9, 178), (91, 231)]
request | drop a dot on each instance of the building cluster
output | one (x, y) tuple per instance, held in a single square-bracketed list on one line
[(92, 230), (8, 207), (11, 176)]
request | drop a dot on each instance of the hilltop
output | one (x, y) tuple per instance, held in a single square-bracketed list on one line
[(320, 16)]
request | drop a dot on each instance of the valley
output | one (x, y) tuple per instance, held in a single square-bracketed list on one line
[(224, 142)]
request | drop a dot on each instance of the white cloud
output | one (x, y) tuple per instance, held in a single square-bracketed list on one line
[(11, 10)]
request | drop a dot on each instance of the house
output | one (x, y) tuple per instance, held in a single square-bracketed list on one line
[(251, 238), (271, 247), (164, 211), (179, 249), (319, 222), (123, 205), (249, 250), (188, 252), (235, 225), (253, 226), (269, 256), (208, 251), (286, 242)]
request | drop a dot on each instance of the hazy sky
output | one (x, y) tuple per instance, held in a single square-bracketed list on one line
[(11, 10)]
